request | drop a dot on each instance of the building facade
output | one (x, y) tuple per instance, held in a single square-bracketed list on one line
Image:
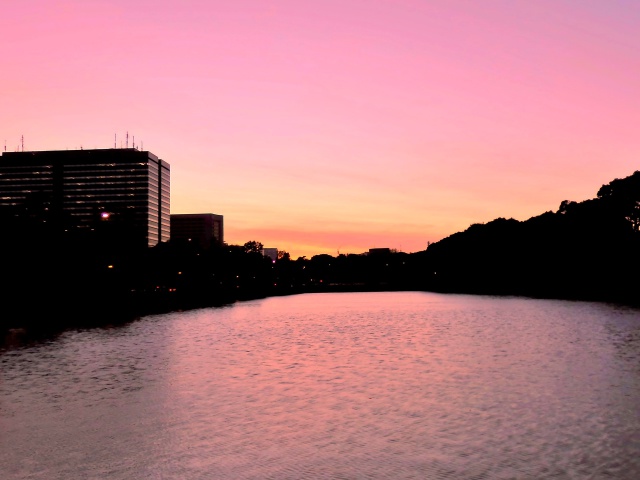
[(201, 228), (270, 252), (83, 189)]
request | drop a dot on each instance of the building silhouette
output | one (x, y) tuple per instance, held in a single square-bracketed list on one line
[(270, 252), (200, 228), (84, 190), (379, 251)]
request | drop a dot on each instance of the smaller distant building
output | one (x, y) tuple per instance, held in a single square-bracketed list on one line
[(202, 228), (379, 251), (272, 253)]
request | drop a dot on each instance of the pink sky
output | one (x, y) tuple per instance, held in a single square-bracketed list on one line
[(326, 126)]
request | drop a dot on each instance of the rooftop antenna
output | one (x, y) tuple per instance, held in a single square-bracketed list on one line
[(22, 142), (134, 141), (127, 144), (115, 140)]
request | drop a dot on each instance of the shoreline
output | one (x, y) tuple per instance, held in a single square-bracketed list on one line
[(16, 334)]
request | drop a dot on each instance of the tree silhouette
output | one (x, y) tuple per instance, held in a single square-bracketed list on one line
[(253, 247), (282, 255)]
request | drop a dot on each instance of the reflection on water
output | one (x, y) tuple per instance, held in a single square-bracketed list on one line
[(350, 385)]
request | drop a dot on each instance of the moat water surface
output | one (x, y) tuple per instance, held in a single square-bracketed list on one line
[(394, 385)]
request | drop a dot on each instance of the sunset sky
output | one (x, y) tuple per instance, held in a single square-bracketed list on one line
[(337, 125)]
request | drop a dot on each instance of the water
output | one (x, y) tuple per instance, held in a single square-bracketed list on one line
[(332, 386)]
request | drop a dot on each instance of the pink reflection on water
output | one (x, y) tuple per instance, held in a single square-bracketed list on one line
[(369, 385)]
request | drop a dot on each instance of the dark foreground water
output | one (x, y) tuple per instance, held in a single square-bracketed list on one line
[(332, 386)]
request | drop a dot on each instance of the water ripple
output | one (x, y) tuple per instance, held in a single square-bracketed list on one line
[(333, 386)]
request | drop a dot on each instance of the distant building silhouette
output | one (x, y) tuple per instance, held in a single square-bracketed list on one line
[(272, 253), (201, 228), (379, 251), (86, 189)]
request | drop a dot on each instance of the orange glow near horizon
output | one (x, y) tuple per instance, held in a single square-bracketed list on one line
[(337, 126)]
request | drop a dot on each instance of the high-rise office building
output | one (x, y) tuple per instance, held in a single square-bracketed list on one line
[(201, 228), (78, 189)]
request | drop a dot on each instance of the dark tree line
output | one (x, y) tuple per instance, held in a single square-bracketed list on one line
[(52, 275), (585, 250)]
